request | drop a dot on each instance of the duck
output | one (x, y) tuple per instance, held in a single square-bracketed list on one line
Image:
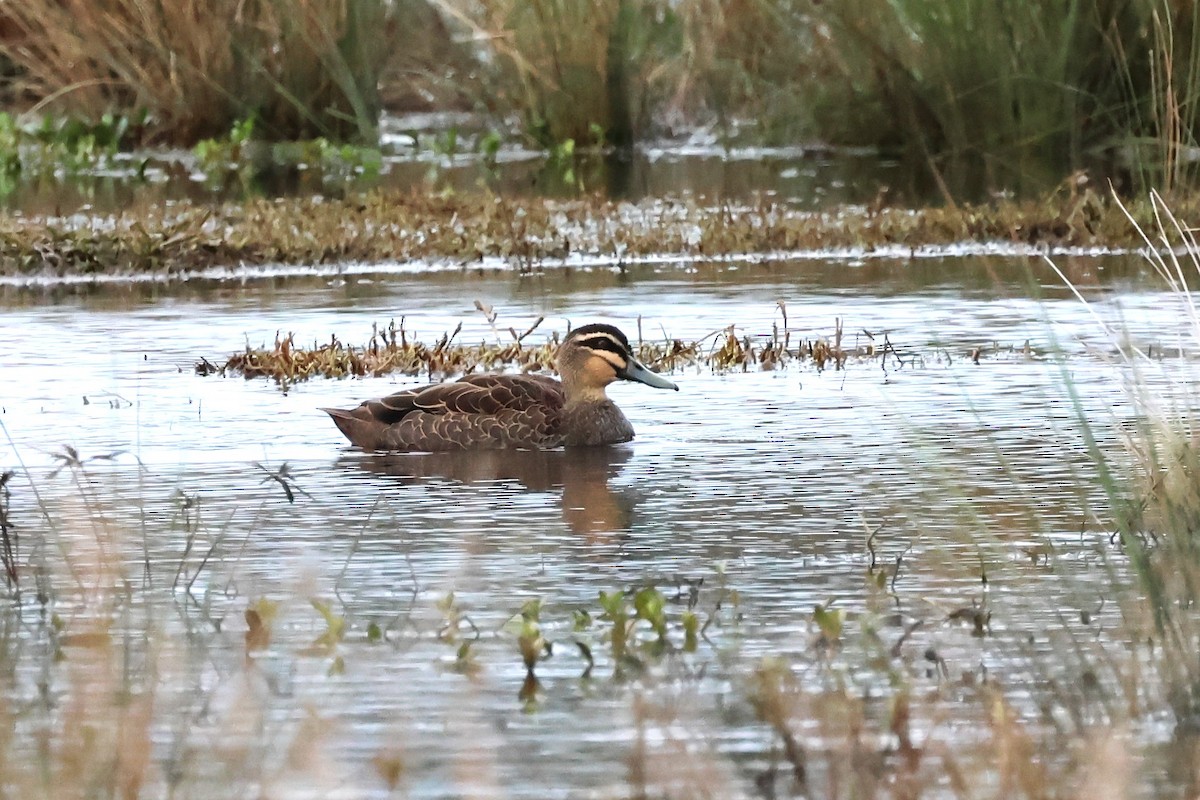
[(502, 411)]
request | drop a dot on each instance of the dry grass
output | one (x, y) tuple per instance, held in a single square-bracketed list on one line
[(300, 67), (390, 350), (1155, 492), (582, 71), (527, 233)]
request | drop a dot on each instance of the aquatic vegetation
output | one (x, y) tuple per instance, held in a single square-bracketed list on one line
[(986, 104), (1154, 489), (31, 148), (953, 87), (302, 68), (580, 71), (247, 667), (528, 235), (324, 636), (390, 350), (239, 152)]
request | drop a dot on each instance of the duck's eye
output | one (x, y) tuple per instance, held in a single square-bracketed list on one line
[(603, 343)]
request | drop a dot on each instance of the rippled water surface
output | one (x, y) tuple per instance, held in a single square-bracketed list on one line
[(747, 497)]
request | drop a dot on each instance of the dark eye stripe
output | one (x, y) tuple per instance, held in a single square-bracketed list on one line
[(602, 341)]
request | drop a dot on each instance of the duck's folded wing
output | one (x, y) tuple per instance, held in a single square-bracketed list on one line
[(474, 394), (477, 411)]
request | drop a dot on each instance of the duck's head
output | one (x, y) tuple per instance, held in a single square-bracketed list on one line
[(593, 356)]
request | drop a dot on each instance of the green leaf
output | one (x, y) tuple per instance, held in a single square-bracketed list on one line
[(829, 621)]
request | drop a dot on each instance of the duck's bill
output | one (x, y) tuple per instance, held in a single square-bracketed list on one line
[(636, 371)]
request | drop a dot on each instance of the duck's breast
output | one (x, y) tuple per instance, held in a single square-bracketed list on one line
[(594, 423)]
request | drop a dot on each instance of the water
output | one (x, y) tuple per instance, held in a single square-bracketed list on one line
[(756, 490), (698, 164)]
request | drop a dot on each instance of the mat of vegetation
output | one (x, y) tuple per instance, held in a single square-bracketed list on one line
[(391, 350), (526, 232)]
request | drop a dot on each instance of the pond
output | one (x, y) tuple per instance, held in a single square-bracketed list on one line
[(414, 155), (219, 625)]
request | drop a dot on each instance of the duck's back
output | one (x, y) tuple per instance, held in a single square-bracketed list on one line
[(477, 412)]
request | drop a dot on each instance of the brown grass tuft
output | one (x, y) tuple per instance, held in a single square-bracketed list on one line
[(300, 67)]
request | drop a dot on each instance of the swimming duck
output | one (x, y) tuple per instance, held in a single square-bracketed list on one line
[(492, 412)]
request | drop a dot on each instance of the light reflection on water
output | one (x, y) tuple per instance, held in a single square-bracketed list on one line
[(766, 482)]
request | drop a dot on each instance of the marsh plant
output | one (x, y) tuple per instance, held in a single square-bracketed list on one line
[(976, 94), (530, 235), (588, 72), (1154, 485), (393, 349), (303, 68), (985, 100)]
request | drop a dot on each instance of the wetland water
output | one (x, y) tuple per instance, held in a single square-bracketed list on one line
[(761, 484)]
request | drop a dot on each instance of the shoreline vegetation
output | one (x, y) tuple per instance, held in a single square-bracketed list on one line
[(952, 86), (531, 233)]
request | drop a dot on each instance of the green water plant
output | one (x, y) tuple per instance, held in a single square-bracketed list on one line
[(326, 643), (215, 154), (38, 147), (615, 610), (253, 161)]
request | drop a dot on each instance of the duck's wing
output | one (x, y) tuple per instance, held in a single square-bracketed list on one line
[(478, 394), (477, 411)]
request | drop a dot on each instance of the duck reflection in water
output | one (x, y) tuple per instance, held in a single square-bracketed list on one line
[(589, 505)]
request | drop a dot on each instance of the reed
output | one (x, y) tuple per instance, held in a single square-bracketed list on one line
[(591, 72), (1153, 485), (301, 68), (1013, 94)]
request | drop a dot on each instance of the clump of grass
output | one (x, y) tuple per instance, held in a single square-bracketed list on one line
[(529, 234), (391, 350), (584, 72), (745, 65), (8, 535), (1155, 490), (986, 103), (301, 67)]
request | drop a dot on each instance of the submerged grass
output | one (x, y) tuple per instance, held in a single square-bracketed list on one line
[(527, 234)]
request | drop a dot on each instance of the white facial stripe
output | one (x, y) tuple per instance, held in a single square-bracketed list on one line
[(614, 360), (603, 342)]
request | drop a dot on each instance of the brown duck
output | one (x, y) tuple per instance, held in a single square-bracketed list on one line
[(491, 412)]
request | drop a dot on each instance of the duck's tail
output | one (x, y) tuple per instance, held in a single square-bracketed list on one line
[(358, 431)]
